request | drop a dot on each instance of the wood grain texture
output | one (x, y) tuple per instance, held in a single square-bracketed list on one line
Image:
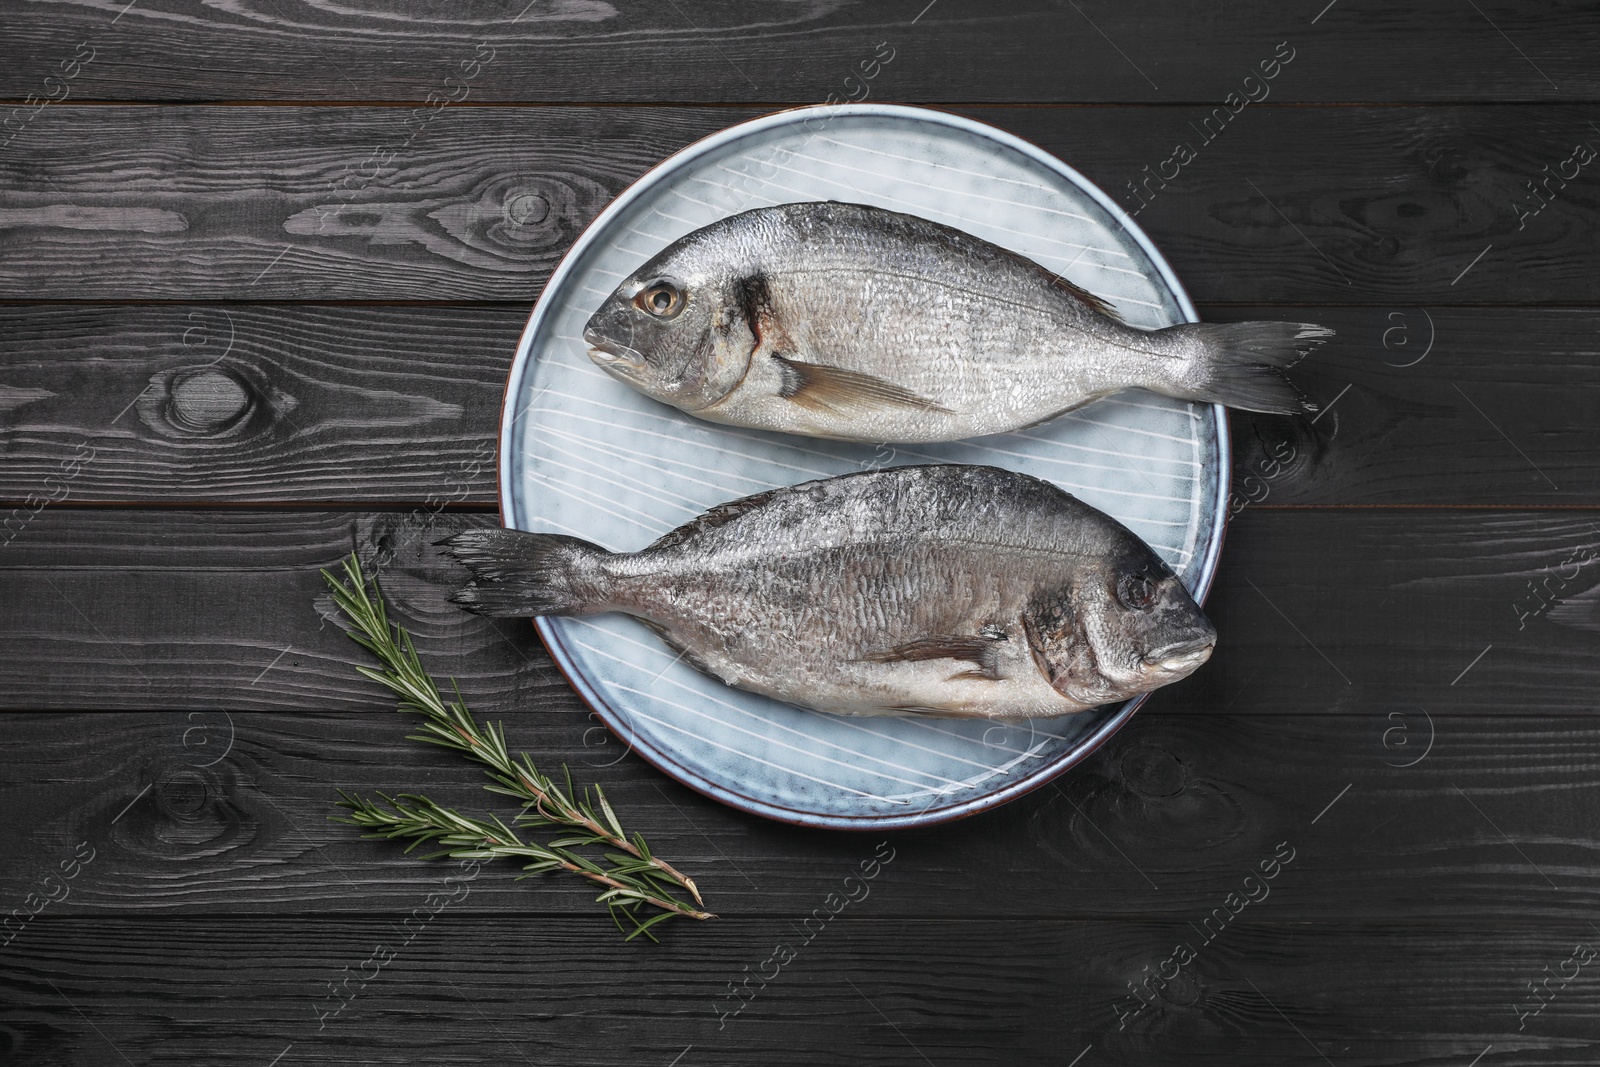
[(463, 990), (1393, 206), (1320, 610), (1404, 694), (335, 405), (763, 50), (253, 404), (1395, 816), (1490, 406)]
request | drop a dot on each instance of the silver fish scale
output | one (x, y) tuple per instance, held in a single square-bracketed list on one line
[(998, 344), (990, 337), (799, 589)]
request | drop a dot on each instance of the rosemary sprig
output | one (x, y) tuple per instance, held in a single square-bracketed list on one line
[(418, 820), (634, 878)]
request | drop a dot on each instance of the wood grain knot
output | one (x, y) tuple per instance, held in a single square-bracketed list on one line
[(190, 813), (1444, 164), (526, 209), (1153, 772), (1181, 991), (181, 794), (524, 220), (1411, 213), (403, 541), (207, 400), (1274, 452)]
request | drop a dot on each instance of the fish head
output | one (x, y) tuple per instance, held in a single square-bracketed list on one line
[(678, 329), (1125, 629)]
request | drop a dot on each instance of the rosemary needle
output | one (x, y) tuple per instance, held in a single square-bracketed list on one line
[(632, 877)]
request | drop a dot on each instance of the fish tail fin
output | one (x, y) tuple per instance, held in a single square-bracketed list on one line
[(1241, 364), (521, 574)]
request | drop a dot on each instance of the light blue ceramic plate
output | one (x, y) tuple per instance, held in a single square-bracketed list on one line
[(583, 454)]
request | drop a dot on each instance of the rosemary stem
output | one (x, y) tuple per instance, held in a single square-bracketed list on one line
[(664, 905), (630, 882)]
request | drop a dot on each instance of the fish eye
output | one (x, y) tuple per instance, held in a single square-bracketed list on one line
[(661, 298), (1137, 591)]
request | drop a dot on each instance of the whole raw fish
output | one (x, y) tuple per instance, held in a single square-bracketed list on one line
[(935, 590), (852, 322)]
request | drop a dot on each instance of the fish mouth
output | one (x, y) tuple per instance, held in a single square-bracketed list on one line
[(612, 355), (1182, 656)]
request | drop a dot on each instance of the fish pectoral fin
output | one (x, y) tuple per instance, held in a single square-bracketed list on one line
[(821, 388), (977, 649), (924, 712)]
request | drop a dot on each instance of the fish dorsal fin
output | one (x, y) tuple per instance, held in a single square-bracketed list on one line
[(821, 388), (1095, 302), (720, 515), (975, 648)]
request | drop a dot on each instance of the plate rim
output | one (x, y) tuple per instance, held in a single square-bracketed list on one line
[(522, 366)]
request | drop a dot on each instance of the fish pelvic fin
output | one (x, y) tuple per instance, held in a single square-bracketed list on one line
[(1241, 364), (835, 389), (520, 574), (684, 653), (976, 649)]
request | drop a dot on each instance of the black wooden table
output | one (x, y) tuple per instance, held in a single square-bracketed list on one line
[(262, 270)]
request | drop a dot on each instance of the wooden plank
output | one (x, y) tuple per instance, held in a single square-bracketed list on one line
[(1325, 205), (466, 990), (1439, 406), (193, 612), (767, 51), (251, 404), (264, 404), (1320, 610), (1394, 815)]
